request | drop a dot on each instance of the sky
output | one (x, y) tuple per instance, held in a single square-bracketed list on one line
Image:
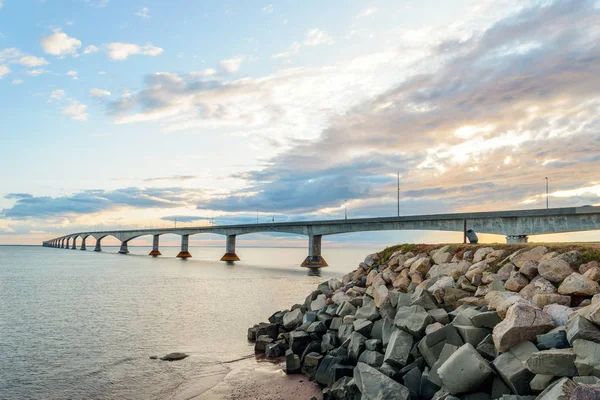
[(138, 113)]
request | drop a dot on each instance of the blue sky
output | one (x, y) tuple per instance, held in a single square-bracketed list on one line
[(133, 113)]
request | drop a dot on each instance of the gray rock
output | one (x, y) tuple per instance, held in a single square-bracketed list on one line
[(368, 310), (344, 389), (578, 285), (298, 341), (487, 349), (311, 364), (374, 344), (427, 389), (357, 346), (464, 371), (439, 315), (513, 373), (363, 326), (431, 345), (345, 309), (277, 349), (487, 319), (317, 327), (338, 371), (387, 329), (580, 328), (555, 270), (270, 330), (371, 358), (318, 303), (391, 371), (499, 388), (412, 319), (174, 356), (539, 383), (447, 351), (559, 390), (292, 362), (424, 299), (398, 348), (374, 385), (587, 380), (328, 342), (335, 324), (559, 313), (412, 381), (557, 362), (473, 335), (555, 339), (587, 358), (259, 347), (345, 331), (324, 374)]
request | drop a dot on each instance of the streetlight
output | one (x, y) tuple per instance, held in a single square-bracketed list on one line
[(546, 192), (345, 211), (398, 194), (273, 220)]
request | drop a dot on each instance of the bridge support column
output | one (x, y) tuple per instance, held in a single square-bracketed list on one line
[(124, 249), (74, 247), (516, 239), (67, 243), (83, 244), (155, 252), (230, 250), (98, 245), (184, 253), (314, 259)]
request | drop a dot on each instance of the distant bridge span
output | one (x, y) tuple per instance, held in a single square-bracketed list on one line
[(515, 225)]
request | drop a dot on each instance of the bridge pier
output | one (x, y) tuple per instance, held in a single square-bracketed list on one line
[(124, 249), (184, 253), (83, 244), (155, 252), (314, 259), (516, 239), (230, 250), (98, 245), (74, 244), (67, 243)]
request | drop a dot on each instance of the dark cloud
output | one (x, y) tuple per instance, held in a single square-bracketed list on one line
[(92, 201), (18, 196)]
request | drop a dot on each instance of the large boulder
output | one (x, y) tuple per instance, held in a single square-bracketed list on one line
[(356, 346), (522, 322), (441, 257), (560, 314), (398, 348), (542, 300), (578, 285), (412, 319), (380, 295), (581, 328), (368, 310), (534, 254), (482, 253), (560, 390), (372, 384), (464, 371), (587, 358), (554, 270), (557, 362), (513, 373), (516, 282), (538, 285)]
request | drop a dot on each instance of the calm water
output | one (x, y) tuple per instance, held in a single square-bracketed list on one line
[(82, 325)]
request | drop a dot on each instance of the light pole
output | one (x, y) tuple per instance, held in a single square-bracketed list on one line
[(345, 211), (398, 194), (273, 220), (175, 222), (547, 205), (257, 216)]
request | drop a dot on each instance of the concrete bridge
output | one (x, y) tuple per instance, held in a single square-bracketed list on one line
[(515, 225)]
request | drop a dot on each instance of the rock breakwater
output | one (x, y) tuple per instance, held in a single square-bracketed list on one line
[(449, 322)]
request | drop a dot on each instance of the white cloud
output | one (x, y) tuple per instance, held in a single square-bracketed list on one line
[(36, 72), (76, 111), (90, 49), (4, 70), (60, 44), (367, 11), (31, 61), (97, 3), (268, 9), (144, 13), (57, 94), (294, 49), (9, 54), (204, 73), (72, 74), (315, 37), (101, 73), (1, 3), (120, 51), (17, 81), (231, 65), (99, 93)]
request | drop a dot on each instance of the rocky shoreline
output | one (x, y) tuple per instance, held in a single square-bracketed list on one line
[(449, 322)]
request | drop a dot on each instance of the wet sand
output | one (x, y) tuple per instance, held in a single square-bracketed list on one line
[(247, 379)]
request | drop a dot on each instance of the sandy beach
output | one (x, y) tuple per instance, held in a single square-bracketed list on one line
[(247, 379)]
